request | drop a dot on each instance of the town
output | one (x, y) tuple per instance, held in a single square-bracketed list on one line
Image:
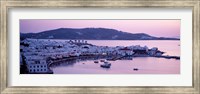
[(36, 55)]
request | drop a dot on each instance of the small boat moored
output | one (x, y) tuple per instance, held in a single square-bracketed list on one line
[(106, 65), (135, 69), (96, 61), (102, 60)]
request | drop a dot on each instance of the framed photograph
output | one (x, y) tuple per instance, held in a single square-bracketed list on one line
[(102, 47)]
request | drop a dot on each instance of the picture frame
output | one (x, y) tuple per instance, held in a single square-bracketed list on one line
[(8, 4)]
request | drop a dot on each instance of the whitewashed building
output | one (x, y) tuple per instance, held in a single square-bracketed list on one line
[(125, 51), (36, 64), (39, 66)]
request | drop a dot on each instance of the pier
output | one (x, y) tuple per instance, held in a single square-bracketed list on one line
[(169, 57)]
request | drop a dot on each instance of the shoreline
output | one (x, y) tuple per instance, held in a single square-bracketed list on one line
[(106, 58)]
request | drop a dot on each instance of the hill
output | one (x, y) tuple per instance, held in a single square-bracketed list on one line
[(91, 34)]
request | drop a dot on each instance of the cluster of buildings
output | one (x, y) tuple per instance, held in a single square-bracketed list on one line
[(36, 53)]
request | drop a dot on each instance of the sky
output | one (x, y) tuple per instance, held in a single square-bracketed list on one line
[(157, 28)]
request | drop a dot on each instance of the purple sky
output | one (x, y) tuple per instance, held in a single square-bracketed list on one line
[(158, 28)]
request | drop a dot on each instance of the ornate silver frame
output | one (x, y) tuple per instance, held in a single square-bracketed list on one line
[(5, 5)]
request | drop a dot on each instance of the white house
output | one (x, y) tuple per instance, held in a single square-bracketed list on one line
[(37, 66), (125, 51)]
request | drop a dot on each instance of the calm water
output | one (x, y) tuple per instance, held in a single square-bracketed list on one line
[(146, 65)]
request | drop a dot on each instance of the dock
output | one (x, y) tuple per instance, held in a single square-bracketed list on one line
[(169, 57)]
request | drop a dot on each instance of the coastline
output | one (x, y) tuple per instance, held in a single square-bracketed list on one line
[(114, 53)]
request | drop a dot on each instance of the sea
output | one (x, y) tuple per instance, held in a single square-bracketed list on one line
[(145, 65)]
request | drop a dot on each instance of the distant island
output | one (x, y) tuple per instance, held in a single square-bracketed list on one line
[(91, 34)]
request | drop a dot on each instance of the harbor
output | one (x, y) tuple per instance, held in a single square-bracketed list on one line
[(38, 53)]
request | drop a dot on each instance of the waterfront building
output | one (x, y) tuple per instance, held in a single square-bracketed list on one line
[(125, 51), (37, 66)]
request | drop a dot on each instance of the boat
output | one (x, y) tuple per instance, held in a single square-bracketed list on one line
[(135, 69), (106, 65), (96, 61), (102, 60)]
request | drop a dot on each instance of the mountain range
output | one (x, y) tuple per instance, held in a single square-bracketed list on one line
[(91, 34)]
